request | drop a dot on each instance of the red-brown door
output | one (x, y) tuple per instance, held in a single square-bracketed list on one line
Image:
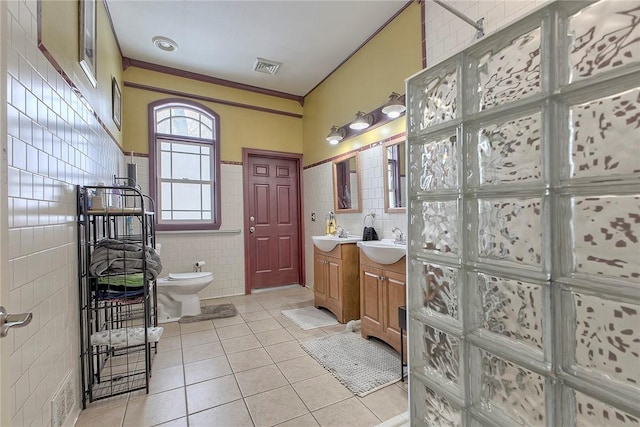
[(272, 221)]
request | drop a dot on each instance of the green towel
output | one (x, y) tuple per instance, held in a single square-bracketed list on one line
[(135, 280)]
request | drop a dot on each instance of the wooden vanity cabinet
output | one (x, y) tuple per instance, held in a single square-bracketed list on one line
[(382, 291), (335, 281)]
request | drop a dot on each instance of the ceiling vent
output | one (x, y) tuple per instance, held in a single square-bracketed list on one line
[(266, 66)]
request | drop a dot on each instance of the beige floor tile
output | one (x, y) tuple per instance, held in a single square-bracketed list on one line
[(301, 368), (247, 308), (284, 321), (249, 359), (166, 379), (209, 394), (269, 324), (233, 331), (334, 328), (401, 420), (206, 369), (261, 406), (387, 402), (241, 299), (275, 336), (403, 384), (256, 315), (303, 421), (235, 345), (275, 312), (228, 321), (188, 328), (302, 336), (275, 302), (234, 414), (318, 392), (104, 416), (170, 329), (180, 422), (259, 380), (199, 338), (301, 303), (169, 343), (201, 352), (154, 409), (350, 412), (285, 351), (167, 359)]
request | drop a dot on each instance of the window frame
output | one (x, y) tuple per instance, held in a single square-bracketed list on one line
[(155, 139)]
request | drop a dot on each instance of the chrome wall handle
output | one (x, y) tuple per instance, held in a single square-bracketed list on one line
[(8, 321)]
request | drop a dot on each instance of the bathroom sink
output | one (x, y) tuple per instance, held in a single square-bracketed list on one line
[(383, 251), (327, 242)]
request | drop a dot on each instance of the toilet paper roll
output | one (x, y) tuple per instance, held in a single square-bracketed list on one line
[(199, 263)]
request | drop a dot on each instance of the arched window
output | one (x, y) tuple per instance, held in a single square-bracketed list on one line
[(184, 165)]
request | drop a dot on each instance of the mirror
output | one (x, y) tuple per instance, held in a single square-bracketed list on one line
[(346, 184), (395, 177)]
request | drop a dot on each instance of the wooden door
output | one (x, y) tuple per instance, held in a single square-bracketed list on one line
[(371, 299), (272, 221)]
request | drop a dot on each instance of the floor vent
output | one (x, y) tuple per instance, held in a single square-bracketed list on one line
[(266, 66), (63, 402)]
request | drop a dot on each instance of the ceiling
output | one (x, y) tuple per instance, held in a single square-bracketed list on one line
[(222, 39)]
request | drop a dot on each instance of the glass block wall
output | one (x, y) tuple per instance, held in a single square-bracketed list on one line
[(524, 224)]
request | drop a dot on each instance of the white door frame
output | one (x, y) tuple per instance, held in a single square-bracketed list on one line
[(6, 408)]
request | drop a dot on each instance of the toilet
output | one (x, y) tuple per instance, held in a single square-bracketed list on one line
[(178, 295)]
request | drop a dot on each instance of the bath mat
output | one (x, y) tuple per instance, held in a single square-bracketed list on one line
[(362, 365), (310, 317), (211, 312)]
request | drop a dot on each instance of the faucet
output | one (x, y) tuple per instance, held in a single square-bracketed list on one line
[(399, 237), (341, 232)]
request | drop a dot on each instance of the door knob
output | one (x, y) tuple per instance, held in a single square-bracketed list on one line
[(252, 229), (10, 320), (251, 218)]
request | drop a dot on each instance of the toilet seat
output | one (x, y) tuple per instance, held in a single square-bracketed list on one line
[(187, 276)]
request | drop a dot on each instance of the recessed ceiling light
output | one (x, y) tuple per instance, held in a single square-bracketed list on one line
[(164, 43)]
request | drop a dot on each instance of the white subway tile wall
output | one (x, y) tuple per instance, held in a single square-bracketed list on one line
[(222, 253), (447, 34), (318, 199), (53, 143)]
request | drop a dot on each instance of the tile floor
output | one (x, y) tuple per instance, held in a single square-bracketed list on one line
[(247, 370)]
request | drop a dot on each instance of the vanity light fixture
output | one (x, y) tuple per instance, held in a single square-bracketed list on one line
[(361, 121), (164, 43), (394, 107), (336, 135)]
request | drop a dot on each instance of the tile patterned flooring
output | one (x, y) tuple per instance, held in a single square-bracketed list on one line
[(247, 370)]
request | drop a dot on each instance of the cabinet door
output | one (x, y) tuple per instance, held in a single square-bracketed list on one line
[(371, 298), (320, 278), (395, 296), (334, 282)]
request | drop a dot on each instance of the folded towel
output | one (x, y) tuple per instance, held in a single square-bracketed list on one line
[(126, 336), (369, 233), (117, 257), (109, 295), (130, 281)]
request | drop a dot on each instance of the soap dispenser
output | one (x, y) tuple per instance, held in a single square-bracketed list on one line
[(332, 224)]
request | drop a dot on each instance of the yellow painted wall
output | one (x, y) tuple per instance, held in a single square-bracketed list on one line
[(60, 37), (239, 127), (364, 83)]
